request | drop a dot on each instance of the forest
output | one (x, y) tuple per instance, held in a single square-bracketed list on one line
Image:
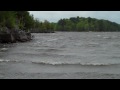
[(86, 24), (22, 20), (25, 21)]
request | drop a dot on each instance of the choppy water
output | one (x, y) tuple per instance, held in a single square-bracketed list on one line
[(63, 55)]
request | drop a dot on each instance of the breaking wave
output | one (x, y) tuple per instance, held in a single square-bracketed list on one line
[(77, 63), (59, 63), (3, 60)]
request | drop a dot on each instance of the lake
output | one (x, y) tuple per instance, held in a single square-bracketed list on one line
[(63, 55)]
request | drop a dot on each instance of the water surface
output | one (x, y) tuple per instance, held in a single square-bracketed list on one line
[(63, 55)]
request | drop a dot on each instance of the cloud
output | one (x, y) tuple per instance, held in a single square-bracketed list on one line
[(54, 16)]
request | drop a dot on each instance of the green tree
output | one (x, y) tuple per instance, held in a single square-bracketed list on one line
[(7, 19)]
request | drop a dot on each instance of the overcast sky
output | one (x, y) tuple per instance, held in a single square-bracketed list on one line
[(54, 16)]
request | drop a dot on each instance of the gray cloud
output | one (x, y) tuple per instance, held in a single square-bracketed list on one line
[(54, 16)]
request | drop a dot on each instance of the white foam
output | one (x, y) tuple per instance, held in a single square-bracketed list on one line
[(74, 63), (3, 60), (52, 40), (4, 49), (107, 37), (98, 35)]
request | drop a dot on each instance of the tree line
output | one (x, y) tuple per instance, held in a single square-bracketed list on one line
[(86, 24), (25, 21)]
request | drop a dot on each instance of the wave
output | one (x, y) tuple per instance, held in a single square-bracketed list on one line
[(75, 63), (3, 49), (3, 60), (59, 63), (52, 40)]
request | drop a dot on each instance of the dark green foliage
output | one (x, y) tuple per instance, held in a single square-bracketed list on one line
[(26, 21), (23, 20), (16, 19), (86, 24), (7, 19)]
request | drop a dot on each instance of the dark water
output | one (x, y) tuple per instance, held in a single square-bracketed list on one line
[(73, 55)]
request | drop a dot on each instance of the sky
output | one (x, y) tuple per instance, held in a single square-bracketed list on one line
[(54, 16)]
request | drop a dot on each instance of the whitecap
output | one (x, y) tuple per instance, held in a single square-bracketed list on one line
[(107, 37), (4, 60), (52, 40), (74, 63), (98, 35), (3, 49)]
